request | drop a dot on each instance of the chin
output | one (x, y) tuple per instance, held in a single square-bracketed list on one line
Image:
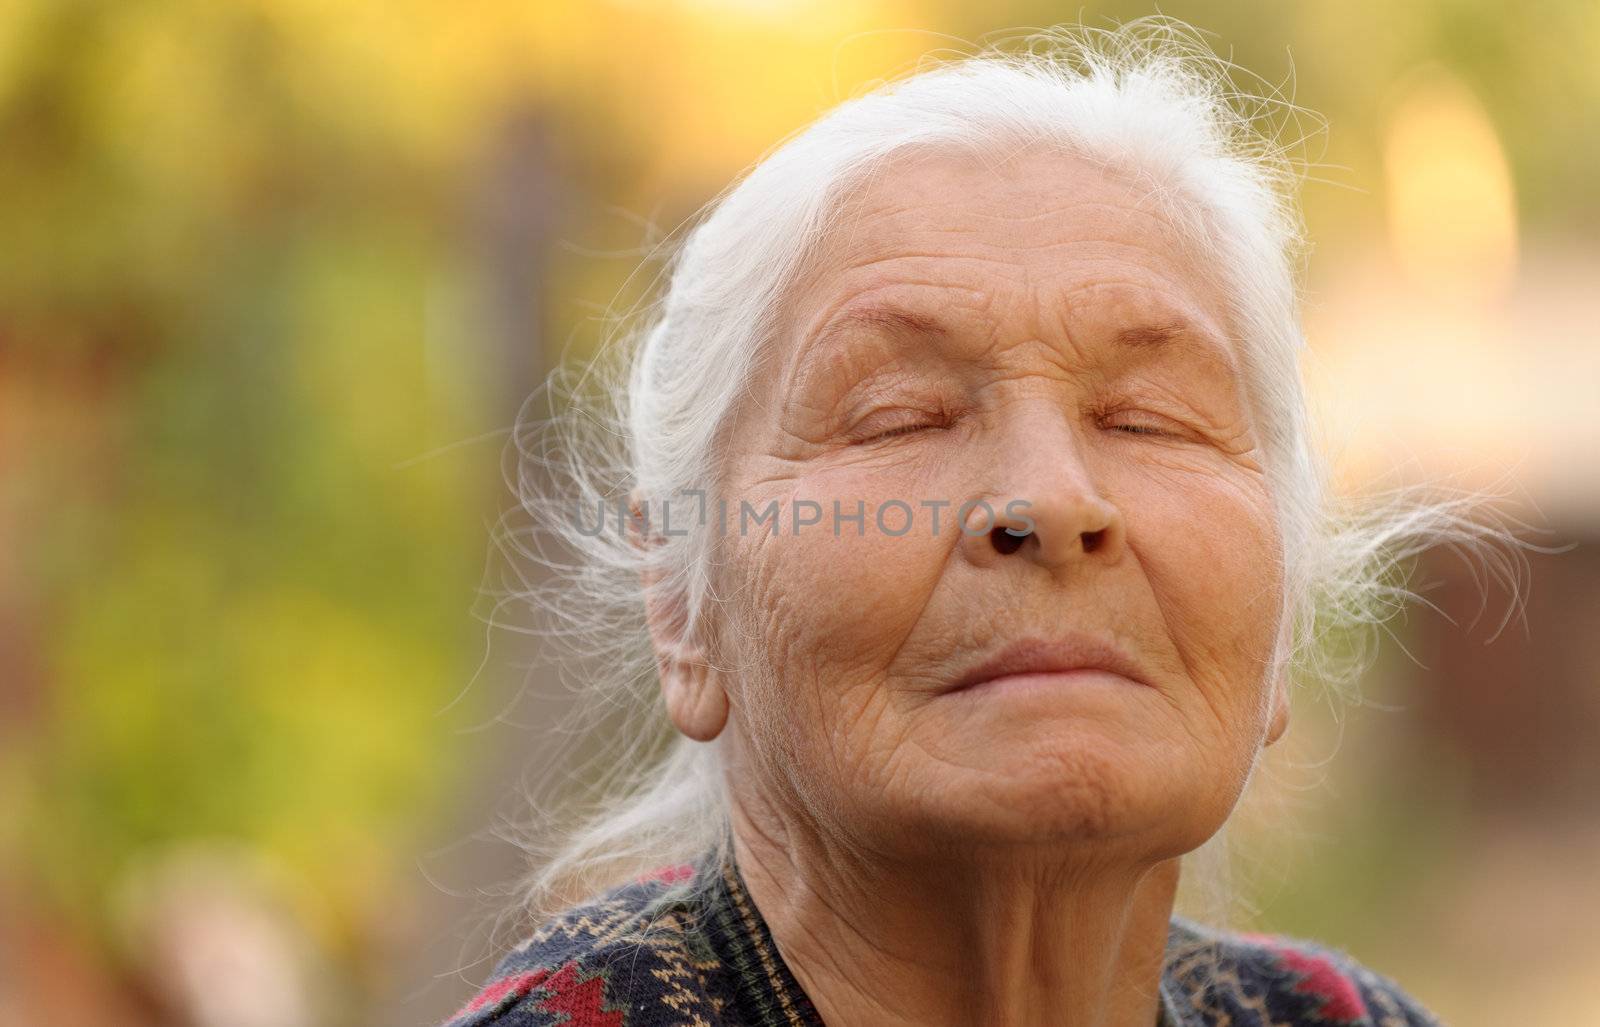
[(1096, 798)]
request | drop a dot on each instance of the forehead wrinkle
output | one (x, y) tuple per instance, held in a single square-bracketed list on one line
[(1141, 330)]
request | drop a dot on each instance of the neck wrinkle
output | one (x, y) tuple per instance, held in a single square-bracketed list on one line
[(898, 958)]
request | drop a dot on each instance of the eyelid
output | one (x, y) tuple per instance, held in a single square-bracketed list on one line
[(910, 420), (1163, 425)]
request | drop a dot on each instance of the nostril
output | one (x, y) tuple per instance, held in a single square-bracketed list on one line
[(1005, 541), (1092, 540)]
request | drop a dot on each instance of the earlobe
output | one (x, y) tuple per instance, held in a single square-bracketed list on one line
[(1280, 712), (690, 686), (695, 701), (1278, 717)]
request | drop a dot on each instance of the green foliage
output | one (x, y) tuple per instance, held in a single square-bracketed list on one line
[(258, 607)]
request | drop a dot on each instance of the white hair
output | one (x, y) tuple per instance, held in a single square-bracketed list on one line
[(1148, 99)]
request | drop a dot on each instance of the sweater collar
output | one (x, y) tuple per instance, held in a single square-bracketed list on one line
[(765, 990)]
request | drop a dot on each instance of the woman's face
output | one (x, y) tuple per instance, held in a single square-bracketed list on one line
[(1034, 335)]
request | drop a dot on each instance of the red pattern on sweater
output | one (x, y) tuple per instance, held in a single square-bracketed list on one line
[(1319, 979), (582, 1000)]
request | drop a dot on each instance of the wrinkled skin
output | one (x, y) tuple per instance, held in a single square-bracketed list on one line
[(1030, 330)]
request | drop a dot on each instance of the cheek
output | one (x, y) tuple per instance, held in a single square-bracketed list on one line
[(871, 551), (1211, 553), (826, 606)]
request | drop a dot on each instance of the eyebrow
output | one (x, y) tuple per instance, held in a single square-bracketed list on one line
[(1151, 336), (887, 319), (1148, 337), (1160, 336)]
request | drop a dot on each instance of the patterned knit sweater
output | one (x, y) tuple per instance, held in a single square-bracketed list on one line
[(656, 952)]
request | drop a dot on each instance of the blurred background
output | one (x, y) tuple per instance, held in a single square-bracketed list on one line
[(275, 276)]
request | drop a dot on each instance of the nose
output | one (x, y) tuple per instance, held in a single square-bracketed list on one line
[(1049, 510)]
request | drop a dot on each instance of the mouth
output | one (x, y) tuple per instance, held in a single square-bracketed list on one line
[(1058, 660)]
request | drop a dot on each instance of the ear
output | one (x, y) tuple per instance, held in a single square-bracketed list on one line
[(690, 685), (1280, 709)]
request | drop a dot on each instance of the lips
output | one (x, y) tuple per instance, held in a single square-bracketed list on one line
[(1060, 655)]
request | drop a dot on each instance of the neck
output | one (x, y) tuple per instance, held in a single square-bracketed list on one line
[(1020, 938)]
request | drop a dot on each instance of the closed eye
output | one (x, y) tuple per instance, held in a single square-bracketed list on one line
[(904, 429), (893, 422), (1142, 424)]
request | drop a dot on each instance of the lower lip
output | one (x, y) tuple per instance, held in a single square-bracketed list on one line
[(1050, 681)]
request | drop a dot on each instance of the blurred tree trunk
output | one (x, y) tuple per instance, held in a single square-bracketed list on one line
[(516, 205)]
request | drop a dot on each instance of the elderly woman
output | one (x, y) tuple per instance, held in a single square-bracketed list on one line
[(975, 537)]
